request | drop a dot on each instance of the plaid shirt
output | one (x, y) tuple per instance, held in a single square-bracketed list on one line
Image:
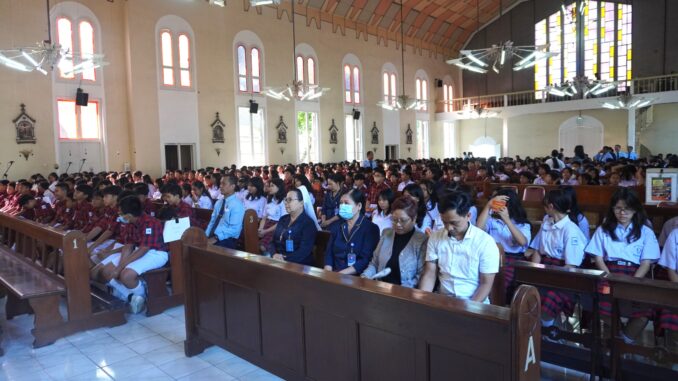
[(63, 214), (93, 220), (43, 212), (82, 212), (28, 214), (373, 192), (150, 207), (148, 233), (109, 220), (126, 234)]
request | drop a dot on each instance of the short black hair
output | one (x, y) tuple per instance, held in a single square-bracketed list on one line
[(24, 199), (358, 197), (63, 186), (86, 189), (141, 189), (131, 205), (112, 190), (172, 189), (458, 201)]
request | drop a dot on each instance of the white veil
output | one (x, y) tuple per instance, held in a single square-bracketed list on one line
[(308, 206)]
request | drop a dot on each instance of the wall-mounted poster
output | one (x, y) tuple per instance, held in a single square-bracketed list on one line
[(661, 185)]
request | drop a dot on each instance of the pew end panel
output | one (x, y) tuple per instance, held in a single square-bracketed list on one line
[(304, 323)]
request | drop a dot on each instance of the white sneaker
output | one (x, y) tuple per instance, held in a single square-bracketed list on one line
[(137, 304)]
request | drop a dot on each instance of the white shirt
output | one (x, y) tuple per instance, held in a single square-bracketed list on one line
[(669, 257), (382, 221), (645, 247), (204, 202), (188, 200), (48, 197), (242, 194), (402, 186), (274, 210), (502, 235), (562, 240), (215, 192), (257, 205), (550, 163), (460, 263)]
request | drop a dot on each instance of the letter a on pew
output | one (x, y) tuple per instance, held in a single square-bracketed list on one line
[(530, 357)]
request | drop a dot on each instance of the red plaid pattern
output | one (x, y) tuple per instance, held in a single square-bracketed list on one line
[(668, 319), (606, 305), (93, 220), (149, 233), (126, 234), (82, 212), (63, 214), (554, 302), (149, 207), (508, 270), (109, 220), (43, 212), (373, 192)]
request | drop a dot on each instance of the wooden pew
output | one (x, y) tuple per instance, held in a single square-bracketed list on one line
[(649, 292), (577, 281), (159, 296), (39, 265), (304, 323)]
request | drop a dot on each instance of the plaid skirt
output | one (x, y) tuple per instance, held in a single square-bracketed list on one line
[(266, 240), (605, 303), (508, 269), (668, 319), (554, 302)]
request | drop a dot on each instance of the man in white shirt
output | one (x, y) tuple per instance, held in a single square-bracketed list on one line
[(370, 162), (463, 257)]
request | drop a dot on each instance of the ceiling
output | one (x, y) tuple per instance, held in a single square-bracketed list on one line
[(441, 26)]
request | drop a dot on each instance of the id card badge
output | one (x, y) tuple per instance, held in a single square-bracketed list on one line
[(289, 245)]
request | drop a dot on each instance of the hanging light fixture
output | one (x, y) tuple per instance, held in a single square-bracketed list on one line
[(46, 55), (628, 101), (297, 89), (580, 87), (403, 101), (495, 57), (477, 111)]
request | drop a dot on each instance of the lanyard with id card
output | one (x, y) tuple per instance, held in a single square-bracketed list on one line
[(289, 243)]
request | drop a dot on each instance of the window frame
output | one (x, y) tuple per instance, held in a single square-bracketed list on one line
[(249, 72), (76, 46), (175, 51), (78, 120), (391, 86), (353, 90), (250, 116), (421, 92), (448, 94)]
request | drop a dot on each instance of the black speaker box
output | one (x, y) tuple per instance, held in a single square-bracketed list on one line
[(356, 114), (81, 98), (254, 107)]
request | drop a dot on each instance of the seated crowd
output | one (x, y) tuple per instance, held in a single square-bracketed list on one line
[(409, 223)]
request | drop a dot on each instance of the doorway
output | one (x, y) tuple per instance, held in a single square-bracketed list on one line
[(391, 152), (179, 156)]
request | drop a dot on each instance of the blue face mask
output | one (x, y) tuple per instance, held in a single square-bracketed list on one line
[(345, 211), (122, 220)]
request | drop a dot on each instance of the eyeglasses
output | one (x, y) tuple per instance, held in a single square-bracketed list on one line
[(623, 210), (288, 200), (401, 221)]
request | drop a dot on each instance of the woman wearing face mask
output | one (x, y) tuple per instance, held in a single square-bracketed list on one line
[(352, 241), (401, 250), (294, 235)]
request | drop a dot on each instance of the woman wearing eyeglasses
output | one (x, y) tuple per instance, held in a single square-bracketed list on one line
[(352, 241), (624, 244), (294, 235), (401, 250)]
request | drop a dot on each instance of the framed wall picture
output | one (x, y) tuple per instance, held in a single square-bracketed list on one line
[(661, 185)]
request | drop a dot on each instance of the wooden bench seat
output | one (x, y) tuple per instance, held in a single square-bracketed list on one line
[(304, 323), (40, 265)]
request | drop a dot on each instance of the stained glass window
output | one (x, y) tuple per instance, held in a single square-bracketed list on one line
[(356, 85), (540, 38), (347, 84)]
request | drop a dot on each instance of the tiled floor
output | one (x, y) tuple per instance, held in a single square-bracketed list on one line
[(143, 349)]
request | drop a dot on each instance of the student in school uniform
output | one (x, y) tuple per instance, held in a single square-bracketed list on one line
[(382, 214), (462, 257), (200, 196), (668, 319), (401, 248), (96, 213), (575, 213), (275, 209), (625, 245), (414, 192), (330, 210), (63, 212), (44, 193), (172, 195), (559, 242), (82, 208), (141, 190), (377, 186), (104, 232), (255, 199), (225, 224), (405, 179), (505, 219), (295, 233), (352, 241), (668, 227), (186, 193), (147, 252), (34, 209), (432, 217)]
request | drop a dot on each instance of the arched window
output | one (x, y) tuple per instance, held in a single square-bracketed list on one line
[(421, 90), (79, 40), (171, 51), (390, 88), (249, 69), (448, 95), (352, 84)]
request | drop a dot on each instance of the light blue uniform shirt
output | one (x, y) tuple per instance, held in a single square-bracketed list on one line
[(561, 240), (669, 257), (502, 235), (644, 248), (230, 224)]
